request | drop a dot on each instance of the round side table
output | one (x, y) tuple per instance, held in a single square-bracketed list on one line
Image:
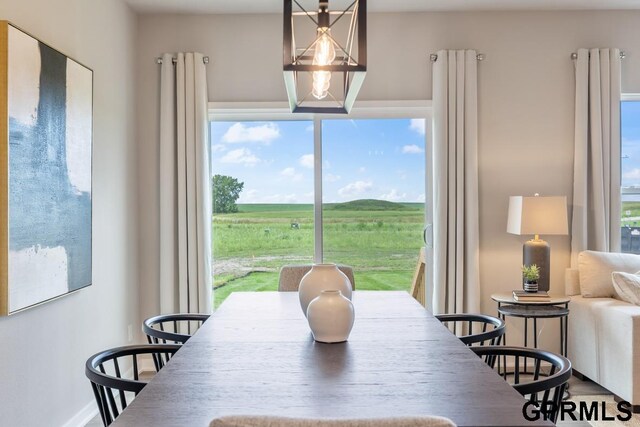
[(555, 307)]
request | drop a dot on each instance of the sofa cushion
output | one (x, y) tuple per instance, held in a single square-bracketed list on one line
[(627, 286), (595, 268)]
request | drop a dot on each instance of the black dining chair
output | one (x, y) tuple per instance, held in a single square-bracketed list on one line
[(291, 275), (474, 328), (543, 386), (172, 328), (111, 382)]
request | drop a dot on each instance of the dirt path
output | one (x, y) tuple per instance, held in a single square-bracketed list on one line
[(242, 266)]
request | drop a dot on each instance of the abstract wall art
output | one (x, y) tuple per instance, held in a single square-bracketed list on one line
[(46, 126)]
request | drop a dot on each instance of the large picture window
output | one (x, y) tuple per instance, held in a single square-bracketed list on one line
[(346, 191), (630, 180)]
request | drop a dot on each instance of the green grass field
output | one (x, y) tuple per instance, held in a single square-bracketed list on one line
[(381, 240), (631, 214)]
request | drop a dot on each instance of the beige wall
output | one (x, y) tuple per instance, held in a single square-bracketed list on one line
[(43, 350), (525, 103)]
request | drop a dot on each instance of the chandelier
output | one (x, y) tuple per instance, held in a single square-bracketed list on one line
[(325, 54)]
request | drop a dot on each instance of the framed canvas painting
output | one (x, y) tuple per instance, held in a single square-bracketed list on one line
[(46, 103)]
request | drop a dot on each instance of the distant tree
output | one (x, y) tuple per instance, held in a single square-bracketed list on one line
[(226, 191)]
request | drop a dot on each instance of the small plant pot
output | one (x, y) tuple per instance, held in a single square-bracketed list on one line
[(530, 287)]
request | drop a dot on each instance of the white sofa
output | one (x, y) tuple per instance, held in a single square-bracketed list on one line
[(603, 331)]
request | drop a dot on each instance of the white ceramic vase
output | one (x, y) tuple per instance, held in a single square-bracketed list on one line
[(322, 277), (330, 317)]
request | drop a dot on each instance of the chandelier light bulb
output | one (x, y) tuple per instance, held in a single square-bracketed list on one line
[(324, 54), (321, 82)]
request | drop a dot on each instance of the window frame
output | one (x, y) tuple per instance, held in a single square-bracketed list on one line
[(279, 111), (630, 97), (624, 97)]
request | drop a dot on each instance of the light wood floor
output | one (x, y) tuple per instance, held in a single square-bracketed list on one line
[(581, 390)]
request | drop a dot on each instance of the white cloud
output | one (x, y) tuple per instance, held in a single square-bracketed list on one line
[(307, 161), (241, 156), (355, 188), (255, 196), (421, 197), (331, 177), (418, 125), (288, 172), (362, 169), (412, 149), (309, 128), (248, 196), (216, 148), (281, 198), (291, 174), (240, 132), (632, 174), (393, 196)]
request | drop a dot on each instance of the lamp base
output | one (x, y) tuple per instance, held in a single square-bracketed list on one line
[(538, 252)]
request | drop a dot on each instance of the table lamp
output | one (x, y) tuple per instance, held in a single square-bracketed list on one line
[(535, 216)]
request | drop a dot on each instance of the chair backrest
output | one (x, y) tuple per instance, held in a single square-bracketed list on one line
[(475, 328), (172, 328), (542, 384), (115, 372), (270, 421), (290, 276)]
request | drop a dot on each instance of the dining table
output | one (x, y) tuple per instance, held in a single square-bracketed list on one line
[(256, 356)]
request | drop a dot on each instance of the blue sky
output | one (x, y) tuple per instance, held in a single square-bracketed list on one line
[(380, 159), (630, 117)]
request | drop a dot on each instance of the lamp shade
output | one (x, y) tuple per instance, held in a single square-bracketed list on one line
[(537, 215)]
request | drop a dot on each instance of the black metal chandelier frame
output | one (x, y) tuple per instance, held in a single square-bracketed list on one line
[(299, 60)]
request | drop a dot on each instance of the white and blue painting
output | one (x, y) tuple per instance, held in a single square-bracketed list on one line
[(50, 135)]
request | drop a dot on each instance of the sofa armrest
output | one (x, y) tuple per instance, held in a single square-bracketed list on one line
[(571, 282)]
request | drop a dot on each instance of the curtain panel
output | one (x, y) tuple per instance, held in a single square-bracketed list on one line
[(455, 183), (185, 186), (595, 221)]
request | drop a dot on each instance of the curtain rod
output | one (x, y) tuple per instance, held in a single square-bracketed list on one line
[(205, 59), (434, 57), (623, 55)]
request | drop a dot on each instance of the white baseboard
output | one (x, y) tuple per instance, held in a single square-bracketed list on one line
[(85, 415), (90, 411), (146, 365)]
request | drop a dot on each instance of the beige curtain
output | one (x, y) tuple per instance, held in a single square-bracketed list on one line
[(185, 180), (456, 286), (595, 221)]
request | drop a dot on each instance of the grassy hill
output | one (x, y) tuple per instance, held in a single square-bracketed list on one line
[(274, 207), (354, 205), (371, 205)]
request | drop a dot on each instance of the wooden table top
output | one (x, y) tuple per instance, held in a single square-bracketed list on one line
[(256, 356)]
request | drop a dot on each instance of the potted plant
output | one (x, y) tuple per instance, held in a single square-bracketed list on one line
[(530, 275)]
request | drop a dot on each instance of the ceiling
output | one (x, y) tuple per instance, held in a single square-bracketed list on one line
[(275, 6)]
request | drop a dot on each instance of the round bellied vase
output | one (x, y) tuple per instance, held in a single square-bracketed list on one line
[(322, 277), (330, 317)]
